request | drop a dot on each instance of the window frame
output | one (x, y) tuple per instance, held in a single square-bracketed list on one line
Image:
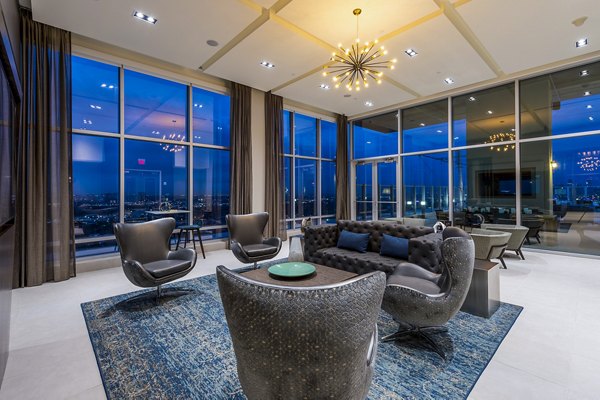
[(122, 136), (293, 222)]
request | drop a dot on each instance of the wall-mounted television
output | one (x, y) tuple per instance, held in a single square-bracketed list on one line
[(502, 183)]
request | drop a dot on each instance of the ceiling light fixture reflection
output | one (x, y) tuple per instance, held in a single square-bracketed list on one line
[(588, 106), (584, 72), (422, 124), (356, 64), (581, 42), (449, 81), (411, 52), (591, 118), (173, 148), (490, 112), (501, 137), (472, 98), (324, 86), (369, 103), (586, 93), (145, 17), (589, 161)]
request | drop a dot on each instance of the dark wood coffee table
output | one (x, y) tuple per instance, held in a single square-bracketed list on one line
[(322, 276)]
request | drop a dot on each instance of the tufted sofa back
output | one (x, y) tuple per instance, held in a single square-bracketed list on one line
[(378, 228)]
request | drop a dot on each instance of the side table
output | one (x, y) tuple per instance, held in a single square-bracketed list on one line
[(483, 298)]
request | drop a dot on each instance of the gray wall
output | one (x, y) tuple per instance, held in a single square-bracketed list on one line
[(10, 12)]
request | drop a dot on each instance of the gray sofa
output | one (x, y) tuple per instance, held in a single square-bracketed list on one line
[(320, 246)]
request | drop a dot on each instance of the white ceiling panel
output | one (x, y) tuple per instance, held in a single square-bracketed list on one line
[(525, 34), (333, 21), (179, 36), (308, 91), (291, 53), (442, 53)]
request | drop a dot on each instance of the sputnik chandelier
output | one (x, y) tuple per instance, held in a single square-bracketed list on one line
[(501, 137), (589, 161), (354, 66)]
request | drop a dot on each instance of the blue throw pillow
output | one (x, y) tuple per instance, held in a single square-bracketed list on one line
[(396, 247), (353, 241)]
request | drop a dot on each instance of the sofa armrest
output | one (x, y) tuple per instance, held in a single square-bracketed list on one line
[(318, 237), (426, 251)]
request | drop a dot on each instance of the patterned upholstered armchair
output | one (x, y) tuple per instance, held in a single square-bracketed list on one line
[(288, 345), (421, 301)]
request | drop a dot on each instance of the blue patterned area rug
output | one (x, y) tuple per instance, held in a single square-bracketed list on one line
[(180, 349)]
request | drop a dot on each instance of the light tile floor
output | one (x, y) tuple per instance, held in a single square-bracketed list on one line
[(552, 351)]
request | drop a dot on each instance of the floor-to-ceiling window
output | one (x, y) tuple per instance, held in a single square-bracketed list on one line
[(309, 168), (470, 154), (164, 145)]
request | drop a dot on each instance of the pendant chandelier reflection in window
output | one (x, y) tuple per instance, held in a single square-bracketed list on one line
[(174, 136), (501, 137), (589, 161)]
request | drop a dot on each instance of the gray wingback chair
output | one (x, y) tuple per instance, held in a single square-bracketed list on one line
[(422, 301), (145, 255), (246, 238), (288, 345)]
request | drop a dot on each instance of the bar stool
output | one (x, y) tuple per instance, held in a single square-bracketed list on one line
[(184, 229)]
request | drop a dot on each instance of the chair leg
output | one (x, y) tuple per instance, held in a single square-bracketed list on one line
[(528, 241), (178, 240), (201, 244), (255, 265), (193, 238), (185, 239), (502, 261), (520, 254), (158, 292), (537, 237)]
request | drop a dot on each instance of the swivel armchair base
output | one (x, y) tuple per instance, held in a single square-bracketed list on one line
[(422, 333)]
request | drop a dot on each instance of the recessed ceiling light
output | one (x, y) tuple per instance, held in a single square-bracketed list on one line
[(439, 131), (449, 81), (111, 87), (591, 118), (472, 98), (267, 64), (586, 93), (198, 105), (324, 86), (347, 95), (588, 106), (584, 72), (456, 138), (512, 129), (411, 52), (368, 142), (144, 17), (422, 124), (581, 42), (95, 107), (369, 103), (212, 43), (103, 85), (490, 112)]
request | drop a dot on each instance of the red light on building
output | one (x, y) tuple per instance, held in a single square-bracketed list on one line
[(141, 161)]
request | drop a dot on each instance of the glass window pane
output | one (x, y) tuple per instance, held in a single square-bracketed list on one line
[(305, 135), (95, 248), (211, 186), (328, 139), (95, 95), (155, 174), (287, 128), (95, 185), (425, 127), (484, 183), (487, 116), (155, 107), (287, 172), (211, 117), (386, 190), (306, 182), (328, 194), (364, 192), (425, 179), (561, 103), (560, 186), (376, 136)]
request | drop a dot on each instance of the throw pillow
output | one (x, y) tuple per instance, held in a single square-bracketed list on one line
[(353, 241), (396, 247)]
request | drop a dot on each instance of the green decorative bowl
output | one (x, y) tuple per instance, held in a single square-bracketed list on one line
[(292, 269)]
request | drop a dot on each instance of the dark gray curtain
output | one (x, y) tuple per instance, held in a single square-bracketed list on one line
[(44, 219), (275, 184), (241, 149), (342, 210)]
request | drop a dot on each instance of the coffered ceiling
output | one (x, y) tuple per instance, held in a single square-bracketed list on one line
[(470, 41)]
